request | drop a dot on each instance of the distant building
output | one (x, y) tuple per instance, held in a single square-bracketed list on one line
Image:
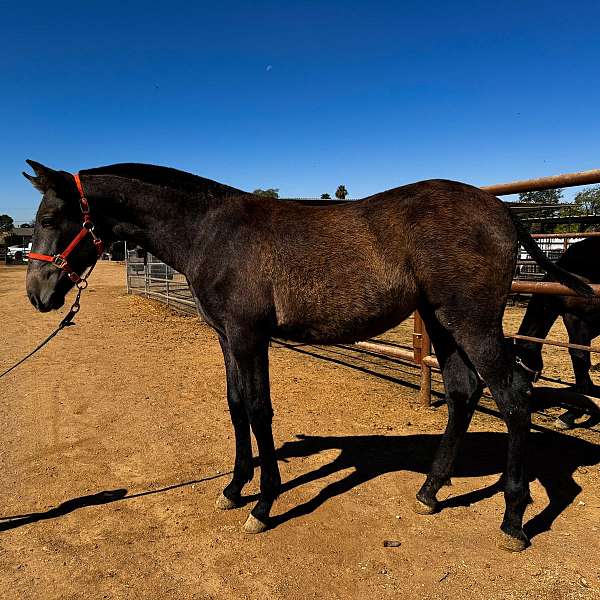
[(19, 236)]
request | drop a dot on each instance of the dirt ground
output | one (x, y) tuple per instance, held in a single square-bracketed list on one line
[(116, 441)]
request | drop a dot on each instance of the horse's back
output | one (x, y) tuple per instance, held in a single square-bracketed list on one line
[(355, 270)]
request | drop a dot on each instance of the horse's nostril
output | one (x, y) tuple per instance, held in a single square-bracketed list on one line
[(33, 300)]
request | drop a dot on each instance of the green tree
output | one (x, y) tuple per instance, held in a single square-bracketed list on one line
[(547, 197), (325, 197), (6, 224), (542, 196), (270, 193), (588, 200), (341, 192)]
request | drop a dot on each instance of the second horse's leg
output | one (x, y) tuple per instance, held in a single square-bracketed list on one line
[(579, 333)]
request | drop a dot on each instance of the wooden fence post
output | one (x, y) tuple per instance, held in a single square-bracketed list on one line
[(422, 348)]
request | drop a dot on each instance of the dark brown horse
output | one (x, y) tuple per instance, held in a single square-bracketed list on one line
[(261, 268), (581, 317)]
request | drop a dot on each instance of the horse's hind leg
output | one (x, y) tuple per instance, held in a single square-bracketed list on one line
[(243, 468), (463, 390), (512, 398), (580, 333), (511, 389)]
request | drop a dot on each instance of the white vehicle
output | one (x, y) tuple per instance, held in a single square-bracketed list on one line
[(18, 252)]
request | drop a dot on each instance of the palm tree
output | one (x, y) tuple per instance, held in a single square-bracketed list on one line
[(341, 192)]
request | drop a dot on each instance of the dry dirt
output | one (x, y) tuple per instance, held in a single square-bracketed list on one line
[(116, 441)]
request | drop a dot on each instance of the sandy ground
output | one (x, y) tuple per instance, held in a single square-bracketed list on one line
[(116, 441)]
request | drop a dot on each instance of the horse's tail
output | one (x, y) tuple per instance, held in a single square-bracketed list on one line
[(576, 283)]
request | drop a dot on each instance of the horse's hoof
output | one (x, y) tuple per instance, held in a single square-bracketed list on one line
[(253, 525), (512, 544), (423, 509), (224, 503)]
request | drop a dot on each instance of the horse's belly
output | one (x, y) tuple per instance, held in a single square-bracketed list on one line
[(329, 325)]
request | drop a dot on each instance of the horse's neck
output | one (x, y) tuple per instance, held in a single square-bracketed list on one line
[(164, 221)]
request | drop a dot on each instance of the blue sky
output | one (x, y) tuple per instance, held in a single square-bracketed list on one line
[(301, 96)]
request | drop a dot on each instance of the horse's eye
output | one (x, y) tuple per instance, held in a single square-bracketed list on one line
[(47, 222)]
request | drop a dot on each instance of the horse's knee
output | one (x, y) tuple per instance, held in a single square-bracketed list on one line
[(261, 419), (516, 492)]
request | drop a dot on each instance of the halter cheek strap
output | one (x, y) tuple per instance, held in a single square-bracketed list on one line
[(87, 228)]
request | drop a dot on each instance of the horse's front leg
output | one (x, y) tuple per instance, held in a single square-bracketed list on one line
[(243, 469), (250, 357)]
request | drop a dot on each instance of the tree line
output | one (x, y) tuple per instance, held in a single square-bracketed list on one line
[(341, 193), (586, 202)]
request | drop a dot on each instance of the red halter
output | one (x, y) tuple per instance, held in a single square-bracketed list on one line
[(60, 260)]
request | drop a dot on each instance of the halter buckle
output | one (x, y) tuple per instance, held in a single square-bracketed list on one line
[(58, 261)]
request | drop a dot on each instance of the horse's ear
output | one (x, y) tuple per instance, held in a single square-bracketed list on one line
[(37, 184), (46, 177)]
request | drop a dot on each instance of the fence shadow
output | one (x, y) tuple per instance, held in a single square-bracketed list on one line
[(342, 356), (396, 371)]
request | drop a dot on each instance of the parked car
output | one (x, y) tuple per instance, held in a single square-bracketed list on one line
[(18, 253)]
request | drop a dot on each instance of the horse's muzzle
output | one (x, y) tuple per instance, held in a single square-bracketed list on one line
[(44, 289), (53, 302)]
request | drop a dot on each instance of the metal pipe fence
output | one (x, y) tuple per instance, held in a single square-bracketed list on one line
[(554, 245), (148, 276)]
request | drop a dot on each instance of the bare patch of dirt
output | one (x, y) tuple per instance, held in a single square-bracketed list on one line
[(116, 441)]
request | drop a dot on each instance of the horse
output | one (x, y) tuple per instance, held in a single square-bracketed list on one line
[(581, 317), (261, 268)]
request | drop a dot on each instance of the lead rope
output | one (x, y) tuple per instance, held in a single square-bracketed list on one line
[(65, 322)]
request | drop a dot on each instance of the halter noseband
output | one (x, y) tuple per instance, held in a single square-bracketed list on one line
[(60, 260)]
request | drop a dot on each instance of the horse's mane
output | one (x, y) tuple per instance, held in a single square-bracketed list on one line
[(164, 177)]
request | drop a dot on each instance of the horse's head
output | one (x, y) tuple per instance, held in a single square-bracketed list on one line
[(58, 221)]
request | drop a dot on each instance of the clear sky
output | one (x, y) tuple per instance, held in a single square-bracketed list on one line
[(301, 96)]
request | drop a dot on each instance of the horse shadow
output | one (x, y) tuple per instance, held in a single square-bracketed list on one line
[(552, 459), (588, 403)]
